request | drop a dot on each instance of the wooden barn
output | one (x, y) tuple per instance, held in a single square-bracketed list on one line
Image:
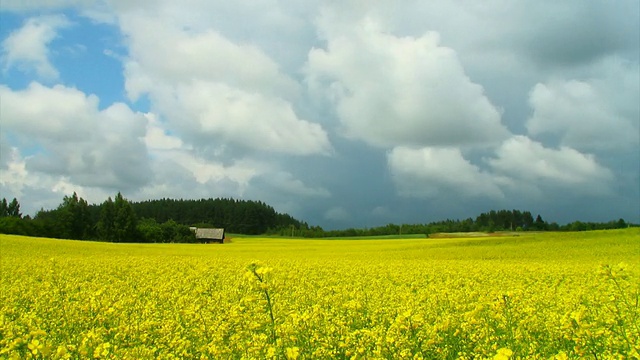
[(209, 236)]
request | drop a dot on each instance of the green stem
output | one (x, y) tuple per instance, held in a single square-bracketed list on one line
[(269, 305)]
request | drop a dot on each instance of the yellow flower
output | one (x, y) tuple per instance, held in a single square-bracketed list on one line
[(271, 352), (369, 300), (34, 346), (503, 354), (293, 352), (61, 351), (561, 356), (263, 270)]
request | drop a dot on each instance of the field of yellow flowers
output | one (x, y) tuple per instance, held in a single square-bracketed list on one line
[(533, 296)]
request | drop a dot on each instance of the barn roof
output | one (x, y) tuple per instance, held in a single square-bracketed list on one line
[(210, 234)]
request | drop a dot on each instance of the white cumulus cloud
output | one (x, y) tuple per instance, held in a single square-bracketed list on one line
[(529, 162), (462, 106), (214, 113), (27, 48), (157, 137), (390, 90), (212, 90), (72, 138), (596, 113), (439, 172)]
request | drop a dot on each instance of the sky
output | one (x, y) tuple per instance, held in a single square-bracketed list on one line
[(340, 113)]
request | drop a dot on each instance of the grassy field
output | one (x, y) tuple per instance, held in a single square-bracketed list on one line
[(546, 295)]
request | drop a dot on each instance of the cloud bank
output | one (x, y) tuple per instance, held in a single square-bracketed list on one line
[(344, 114)]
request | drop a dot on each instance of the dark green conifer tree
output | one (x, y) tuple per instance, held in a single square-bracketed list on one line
[(105, 225), (125, 221)]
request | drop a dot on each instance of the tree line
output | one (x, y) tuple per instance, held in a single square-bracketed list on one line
[(168, 220), (236, 216), (120, 220), (10, 209), (492, 221)]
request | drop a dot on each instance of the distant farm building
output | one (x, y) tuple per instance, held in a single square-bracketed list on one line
[(209, 236)]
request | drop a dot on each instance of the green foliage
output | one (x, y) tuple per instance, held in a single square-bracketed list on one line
[(168, 220), (492, 221), (540, 224), (507, 220), (10, 209), (150, 230), (236, 216), (18, 226), (585, 226), (4, 208), (76, 219), (73, 214), (70, 220), (168, 232), (13, 209), (117, 220), (106, 226), (124, 221)]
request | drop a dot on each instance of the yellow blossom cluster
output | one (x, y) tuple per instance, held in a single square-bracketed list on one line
[(534, 296)]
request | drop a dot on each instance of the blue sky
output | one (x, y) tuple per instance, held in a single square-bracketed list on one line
[(343, 114)]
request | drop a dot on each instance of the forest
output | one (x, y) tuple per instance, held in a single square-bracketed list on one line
[(169, 220), (164, 220)]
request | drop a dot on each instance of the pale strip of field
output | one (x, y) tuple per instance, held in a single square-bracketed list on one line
[(475, 234)]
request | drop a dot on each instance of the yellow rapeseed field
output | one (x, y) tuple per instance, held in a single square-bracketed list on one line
[(534, 296)]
